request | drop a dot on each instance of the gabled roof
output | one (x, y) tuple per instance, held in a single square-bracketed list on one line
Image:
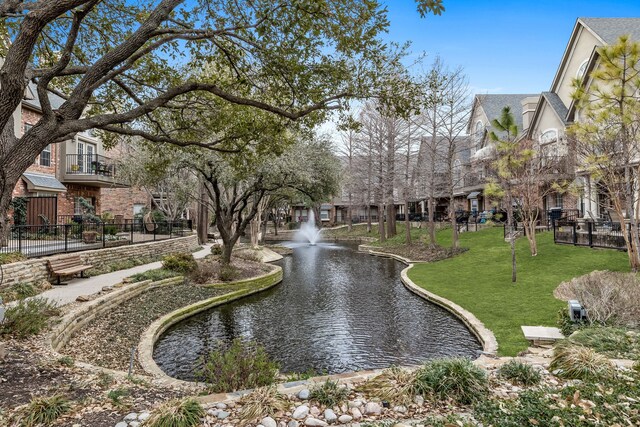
[(556, 105), (606, 30), (492, 105), (31, 99)]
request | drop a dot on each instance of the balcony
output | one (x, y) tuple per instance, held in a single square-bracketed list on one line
[(90, 169)]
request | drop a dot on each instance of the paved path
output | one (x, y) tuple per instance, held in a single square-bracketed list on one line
[(76, 287)]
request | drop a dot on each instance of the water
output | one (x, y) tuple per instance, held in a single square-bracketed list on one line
[(336, 311), (308, 231)]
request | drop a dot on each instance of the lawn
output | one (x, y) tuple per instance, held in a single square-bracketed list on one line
[(480, 280)]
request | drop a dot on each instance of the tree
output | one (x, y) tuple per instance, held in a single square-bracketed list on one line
[(606, 133), (507, 161), (118, 65)]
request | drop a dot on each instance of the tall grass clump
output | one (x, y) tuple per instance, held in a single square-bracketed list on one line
[(520, 373), (329, 393), (394, 385), (182, 263), (28, 317), (42, 411), (262, 402), (574, 361), (456, 380), (177, 413), (239, 366)]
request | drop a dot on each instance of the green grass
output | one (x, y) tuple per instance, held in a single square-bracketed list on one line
[(480, 280)]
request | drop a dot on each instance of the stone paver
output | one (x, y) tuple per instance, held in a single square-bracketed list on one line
[(88, 286)]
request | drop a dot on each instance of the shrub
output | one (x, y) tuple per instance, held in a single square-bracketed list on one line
[(66, 361), (216, 249), (154, 275), (249, 255), (19, 291), (579, 362), (239, 366), (180, 263), (110, 230), (28, 317), (457, 379), (207, 272), (9, 257), (43, 411), (520, 373), (177, 413), (228, 273), (395, 385), (329, 393), (262, 402), (609, 297), (117, 395)]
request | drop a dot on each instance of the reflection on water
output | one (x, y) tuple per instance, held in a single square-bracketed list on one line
[(336, 310)]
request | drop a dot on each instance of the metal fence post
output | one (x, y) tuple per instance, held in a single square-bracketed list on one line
[(155, 228), (590, 233), (104, 237), (131, 229), (575, 235), (19, 238), (66, 236)]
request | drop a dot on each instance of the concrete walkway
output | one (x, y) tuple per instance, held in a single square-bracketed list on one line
[(68, 293)]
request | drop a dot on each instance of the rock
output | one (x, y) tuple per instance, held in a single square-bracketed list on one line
[(3, 351), (355, 403), (300, 412), (144, 416), (212, 412), (315, 422), (107, 288), (372, 408), (304, 394), (122, 424), (400, 409), (293, 423), (131, 417), (418, 400), (330, 416), (314, 411), (269, 422), (83, 298), (344, 419), (222, 415), (127, 280), (401, 425), (221, 405), (355, 412), (134, 424)]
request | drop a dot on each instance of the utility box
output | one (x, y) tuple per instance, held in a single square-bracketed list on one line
[(577, 313)]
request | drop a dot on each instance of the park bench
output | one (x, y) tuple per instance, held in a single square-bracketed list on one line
[(67, 266)]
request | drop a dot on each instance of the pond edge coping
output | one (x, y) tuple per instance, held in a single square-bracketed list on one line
[(150, 336), (482, 333)]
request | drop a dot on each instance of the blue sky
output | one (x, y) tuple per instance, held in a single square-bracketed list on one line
[(504, 46)]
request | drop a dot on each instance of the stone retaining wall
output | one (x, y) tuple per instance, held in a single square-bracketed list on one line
[(36, 270)]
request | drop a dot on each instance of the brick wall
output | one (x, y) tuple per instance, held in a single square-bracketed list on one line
[(32, 117), (66, 200), (120, 201), (36, 270)]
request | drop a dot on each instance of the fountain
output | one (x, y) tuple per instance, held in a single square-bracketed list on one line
[(308, 230)]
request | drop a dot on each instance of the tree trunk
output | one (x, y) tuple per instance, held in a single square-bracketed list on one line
[(349, 214), (407, 223), (203, 215), (383, 237), (369, 218), (452, 218), (391, 220), (512, 236), (276, 220), (432, 222)]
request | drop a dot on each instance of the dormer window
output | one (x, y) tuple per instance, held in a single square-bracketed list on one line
[(582, 69)]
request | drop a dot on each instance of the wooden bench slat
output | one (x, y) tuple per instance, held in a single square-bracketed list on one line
[(73, 270), (67, 266)]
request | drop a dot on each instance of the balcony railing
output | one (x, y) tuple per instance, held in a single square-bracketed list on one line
[(90, 164)]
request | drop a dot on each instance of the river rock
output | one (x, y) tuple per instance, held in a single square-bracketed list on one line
[(315, 422), (304, 394), (122, 424), (144, 416), (300, 412), (355, 403), (355, 412), (134, 424), (269, 422), (222, 415), (314, 411), (83, 298), (344, 419), (221, 405), (131, 417), (372, 408), (400, 409), (107, 288), (293, 423), (418, 400), (330, 416), (401, 425)]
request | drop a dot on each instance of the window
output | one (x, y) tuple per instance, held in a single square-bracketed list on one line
[(457, 166), (45, 156), (78, 209), (559, 200), (137, 209), (549, 136), (479, 134), (324, 215), (582, 69)]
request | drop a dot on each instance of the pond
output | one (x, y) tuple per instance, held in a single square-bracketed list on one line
[(337, 310)]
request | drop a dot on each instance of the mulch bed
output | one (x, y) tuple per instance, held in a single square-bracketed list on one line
[(421, 252)]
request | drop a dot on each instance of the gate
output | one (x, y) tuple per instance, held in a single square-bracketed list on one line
[(42, 210)]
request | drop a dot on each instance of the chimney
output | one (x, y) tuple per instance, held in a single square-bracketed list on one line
[(528, 108)]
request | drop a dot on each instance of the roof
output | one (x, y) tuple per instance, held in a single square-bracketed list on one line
[(556, 104), (33, 101), (492, 104), (610, 29), (42, 182)]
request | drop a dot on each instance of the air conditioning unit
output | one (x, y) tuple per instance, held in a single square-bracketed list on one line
[(577, 312)]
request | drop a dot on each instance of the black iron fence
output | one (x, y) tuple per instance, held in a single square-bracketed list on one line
[(594, 234), (89, 164), (41, 240)]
